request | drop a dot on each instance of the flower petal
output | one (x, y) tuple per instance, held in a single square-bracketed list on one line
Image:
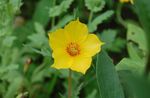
[(61, 60), (57, 39), (76, 31), (81, 64), (91, 45)]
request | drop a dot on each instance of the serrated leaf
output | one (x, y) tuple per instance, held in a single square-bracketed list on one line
[(8, 41), (95, 5), (42, 51), (41, 12), (77, 92), (4, 69), (22, 95), (9, 76), (59, 9), (99, 19), (107, 78), (39, 28), (15, 4), (38, 77), (38, 39), (14, 87)]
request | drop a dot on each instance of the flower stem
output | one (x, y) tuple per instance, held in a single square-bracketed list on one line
[(53, 18), (119, 17), (69, 84), (90, 17), (53, 22)]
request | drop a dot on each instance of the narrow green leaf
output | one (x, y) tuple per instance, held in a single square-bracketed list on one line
[(107, 78), (113, 43), (131, 65), (95, 5), (132, 52), (39, 28), (92, 94), (12, 90), (59, 9), (99, 19), (41, 12), (8, 41)]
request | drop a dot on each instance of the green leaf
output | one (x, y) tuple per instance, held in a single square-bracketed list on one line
[(22, 95), (77, 91), (107, 78), (99, 19), (15, 4), (14, 87), (38, 77), (95, 5), (59, 9), (9, 76), (118, 45), (63, 22), (108, 36), (11, 67), (112, 42), (133, 52), (139, 86), (39, 73), (41, 12), (93, 94), (50, 86), (134, 66), (110, 3), (8, 41), (43, 51), (39, 28), (38, 39), (137, 35), (137, 50), (143, 9)]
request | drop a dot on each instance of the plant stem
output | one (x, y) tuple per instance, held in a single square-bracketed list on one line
[(53, 22), (147, 68), (119, 17), (53, 18), (90, 17), (69, 84)]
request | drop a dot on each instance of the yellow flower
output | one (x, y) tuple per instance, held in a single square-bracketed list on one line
[(73, 47), (125, 1)]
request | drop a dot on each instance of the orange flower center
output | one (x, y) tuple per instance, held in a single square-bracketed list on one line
[(73, 49)]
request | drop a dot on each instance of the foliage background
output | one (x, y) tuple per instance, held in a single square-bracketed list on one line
[(25, 56)]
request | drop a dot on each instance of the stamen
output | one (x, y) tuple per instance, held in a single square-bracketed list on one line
[(73, 49)]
